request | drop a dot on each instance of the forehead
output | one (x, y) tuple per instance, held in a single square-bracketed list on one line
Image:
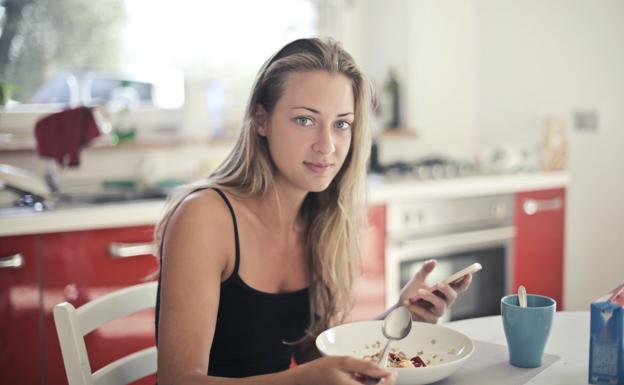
[(326, 92)]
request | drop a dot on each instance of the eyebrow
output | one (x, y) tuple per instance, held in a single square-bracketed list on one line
[(317, 112)]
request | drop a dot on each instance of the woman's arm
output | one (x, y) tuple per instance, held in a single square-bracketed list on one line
[(198, 253), (194, 260)]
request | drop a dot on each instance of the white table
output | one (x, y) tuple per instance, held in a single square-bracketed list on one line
[(569, 339)]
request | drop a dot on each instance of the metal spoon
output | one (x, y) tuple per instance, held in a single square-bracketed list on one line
[(396, 326), (522, 296)]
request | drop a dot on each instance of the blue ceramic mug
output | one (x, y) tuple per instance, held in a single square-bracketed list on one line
[(527, 329)]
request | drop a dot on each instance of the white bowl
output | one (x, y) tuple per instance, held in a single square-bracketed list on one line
[(445, 349)]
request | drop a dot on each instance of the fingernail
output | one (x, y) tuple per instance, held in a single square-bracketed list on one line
[(391, 377)]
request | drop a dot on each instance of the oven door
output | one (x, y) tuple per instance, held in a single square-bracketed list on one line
[(492, 248)]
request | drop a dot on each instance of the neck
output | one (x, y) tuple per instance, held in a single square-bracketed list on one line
[(279, 207)]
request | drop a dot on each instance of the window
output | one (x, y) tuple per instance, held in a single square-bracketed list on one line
[(201, 56)]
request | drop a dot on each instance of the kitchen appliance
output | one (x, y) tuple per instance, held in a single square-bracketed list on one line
[(455, 232), (423, 168)]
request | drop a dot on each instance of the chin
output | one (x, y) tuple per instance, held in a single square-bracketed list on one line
[(319, 189), (318, 186)]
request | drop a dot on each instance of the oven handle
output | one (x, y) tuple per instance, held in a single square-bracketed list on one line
[(535, 206), (406, 249)]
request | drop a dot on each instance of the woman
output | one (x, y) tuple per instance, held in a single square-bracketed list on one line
[(260, 257)]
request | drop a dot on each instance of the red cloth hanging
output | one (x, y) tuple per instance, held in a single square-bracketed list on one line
[(62, 135)]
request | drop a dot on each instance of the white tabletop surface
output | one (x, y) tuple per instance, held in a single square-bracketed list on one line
[(569, 339)]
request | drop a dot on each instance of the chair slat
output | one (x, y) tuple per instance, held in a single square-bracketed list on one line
[(127, 369), (73, 324), (116, 305)]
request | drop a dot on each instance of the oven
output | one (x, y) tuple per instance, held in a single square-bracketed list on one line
[(456, 232)]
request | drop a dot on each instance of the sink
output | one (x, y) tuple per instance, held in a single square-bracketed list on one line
[(17, 210), (113, 196), (61, 201)]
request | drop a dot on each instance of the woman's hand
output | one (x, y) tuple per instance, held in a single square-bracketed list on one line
[(341, 371), (429, 303)]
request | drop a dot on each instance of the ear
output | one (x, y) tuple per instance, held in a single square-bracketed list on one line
[(260, 117)]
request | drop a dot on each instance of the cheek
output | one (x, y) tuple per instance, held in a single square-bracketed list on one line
[(345, 145), (284, 146)]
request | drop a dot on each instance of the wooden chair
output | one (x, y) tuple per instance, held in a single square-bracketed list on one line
[(73, 324)]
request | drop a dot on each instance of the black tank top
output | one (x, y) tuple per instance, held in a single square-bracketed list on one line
[(252, 326)]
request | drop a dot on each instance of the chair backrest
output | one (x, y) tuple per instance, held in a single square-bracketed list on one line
[(73, 324)]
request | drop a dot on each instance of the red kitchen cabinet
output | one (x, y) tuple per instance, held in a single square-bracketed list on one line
[(538, 247), (79, 267), (20, 338), (370, 287)]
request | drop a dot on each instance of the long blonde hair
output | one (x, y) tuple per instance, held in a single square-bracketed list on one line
[(332, 218)]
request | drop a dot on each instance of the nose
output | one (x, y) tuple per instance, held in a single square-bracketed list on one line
[(324, 143)]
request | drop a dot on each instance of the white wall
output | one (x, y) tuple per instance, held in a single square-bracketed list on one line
[(431, 45), (481, 73), (538, 58), (441, 39)]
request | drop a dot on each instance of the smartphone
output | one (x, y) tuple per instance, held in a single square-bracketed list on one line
[(458, 276)]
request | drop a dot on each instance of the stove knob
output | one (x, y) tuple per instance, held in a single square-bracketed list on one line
[(421, 216), (499, 210)]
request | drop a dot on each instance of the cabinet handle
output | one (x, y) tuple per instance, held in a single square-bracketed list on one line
[(534, 206), (14, 261), (128, 250)]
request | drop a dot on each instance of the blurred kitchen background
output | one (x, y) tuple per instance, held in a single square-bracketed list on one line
[(498, 138), (477, 87)]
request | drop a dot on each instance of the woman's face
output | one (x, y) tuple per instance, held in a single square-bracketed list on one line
[(309, 131)]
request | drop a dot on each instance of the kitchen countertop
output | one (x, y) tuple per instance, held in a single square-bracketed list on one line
[(82, 218), (147, 212), (383, 191)]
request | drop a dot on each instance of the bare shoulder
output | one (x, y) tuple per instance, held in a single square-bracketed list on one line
[(201, 205), (200, 230), (197, 250)]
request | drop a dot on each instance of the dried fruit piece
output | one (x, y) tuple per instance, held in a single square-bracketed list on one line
[(417, 362)]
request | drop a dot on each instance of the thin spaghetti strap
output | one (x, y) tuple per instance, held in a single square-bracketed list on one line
[(229, 205)]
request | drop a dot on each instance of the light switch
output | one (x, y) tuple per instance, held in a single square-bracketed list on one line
[(586, 120)]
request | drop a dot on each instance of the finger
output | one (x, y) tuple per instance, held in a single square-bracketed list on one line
[(439, 304), (356, 365), (390, 380), (358, 377), (419, 313), (449, 293), (425, 269), (463, 284)]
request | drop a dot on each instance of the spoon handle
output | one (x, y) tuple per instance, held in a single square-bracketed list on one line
[(522, 298), (381, 362)]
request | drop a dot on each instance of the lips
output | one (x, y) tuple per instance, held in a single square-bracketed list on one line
[(318, 167)]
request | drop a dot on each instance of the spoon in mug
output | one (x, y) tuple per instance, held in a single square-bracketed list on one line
[(522, 296), (396, 326)]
